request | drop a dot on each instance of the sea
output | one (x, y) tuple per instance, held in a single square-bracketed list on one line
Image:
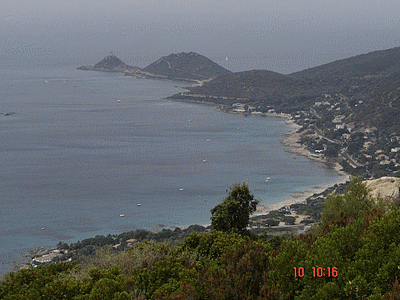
[(85, 153)]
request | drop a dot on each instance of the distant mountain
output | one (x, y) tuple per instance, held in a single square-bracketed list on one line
[(185, 66), (110, 63), (375, 63)]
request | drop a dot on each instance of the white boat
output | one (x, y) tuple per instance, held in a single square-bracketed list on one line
[(119, 101), (226, 58), (122, 215), (138, 204), (204, 160), (181, 189)]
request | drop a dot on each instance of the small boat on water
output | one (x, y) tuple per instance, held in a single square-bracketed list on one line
[(122, 215), (138, 204), (181, 189)]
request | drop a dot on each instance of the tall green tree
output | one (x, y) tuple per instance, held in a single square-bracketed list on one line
[(233, 214)]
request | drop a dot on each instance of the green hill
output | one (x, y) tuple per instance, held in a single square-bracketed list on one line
[(186, 66)]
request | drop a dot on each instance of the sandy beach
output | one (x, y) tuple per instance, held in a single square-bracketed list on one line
[(292, 141)]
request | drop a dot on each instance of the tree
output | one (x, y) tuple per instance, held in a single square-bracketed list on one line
[(233, 214), (354, 203)]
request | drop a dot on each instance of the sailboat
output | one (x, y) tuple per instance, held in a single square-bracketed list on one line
[(226, 58)]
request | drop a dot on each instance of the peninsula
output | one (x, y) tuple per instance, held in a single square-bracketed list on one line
[(187, 67)]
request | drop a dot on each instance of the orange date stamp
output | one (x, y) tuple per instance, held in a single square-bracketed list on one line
[(317, 272)]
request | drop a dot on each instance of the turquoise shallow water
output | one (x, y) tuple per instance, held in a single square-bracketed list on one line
[(73, 157)]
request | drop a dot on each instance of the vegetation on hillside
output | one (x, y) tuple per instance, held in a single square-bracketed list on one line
[(183, 65), (352, 254)]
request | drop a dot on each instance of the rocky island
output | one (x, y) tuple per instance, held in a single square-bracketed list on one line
[(110, 63)]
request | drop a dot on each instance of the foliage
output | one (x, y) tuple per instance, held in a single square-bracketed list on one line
[(211, 246), (234, 212), (356, 202)]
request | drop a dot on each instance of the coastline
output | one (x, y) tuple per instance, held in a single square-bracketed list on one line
[(292, 143)]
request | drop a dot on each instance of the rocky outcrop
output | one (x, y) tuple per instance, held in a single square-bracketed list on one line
[(386, 187)]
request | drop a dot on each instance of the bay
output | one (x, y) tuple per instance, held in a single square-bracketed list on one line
[(83, 148)]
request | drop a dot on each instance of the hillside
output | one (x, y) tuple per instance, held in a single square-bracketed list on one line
[(375, 63), (185, 66), (248, 84)]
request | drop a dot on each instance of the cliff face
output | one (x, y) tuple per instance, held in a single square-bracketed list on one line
[(185, 66), (385, 187)]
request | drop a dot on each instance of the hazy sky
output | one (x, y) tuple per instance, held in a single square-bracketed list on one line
[(280, 35)]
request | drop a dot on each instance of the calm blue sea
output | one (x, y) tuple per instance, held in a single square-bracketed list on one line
[(73, 157)]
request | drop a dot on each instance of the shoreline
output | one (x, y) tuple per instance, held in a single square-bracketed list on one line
[(291, 142)]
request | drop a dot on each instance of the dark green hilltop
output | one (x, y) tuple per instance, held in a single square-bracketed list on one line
[(186, 66)]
